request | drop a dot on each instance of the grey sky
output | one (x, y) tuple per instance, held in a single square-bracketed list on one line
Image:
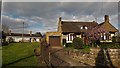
[(43, 16)]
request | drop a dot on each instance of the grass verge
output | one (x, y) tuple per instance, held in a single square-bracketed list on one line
[(19, 54)]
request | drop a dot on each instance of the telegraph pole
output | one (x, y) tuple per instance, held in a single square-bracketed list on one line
[(96, 20), (23, 33)]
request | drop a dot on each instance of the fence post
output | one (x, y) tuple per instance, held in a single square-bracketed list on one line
[(49, 55)]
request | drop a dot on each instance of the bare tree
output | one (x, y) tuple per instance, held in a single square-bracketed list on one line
[(5, 28), (95, 33)]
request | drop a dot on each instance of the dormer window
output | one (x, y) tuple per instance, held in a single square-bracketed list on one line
[(81, 27)]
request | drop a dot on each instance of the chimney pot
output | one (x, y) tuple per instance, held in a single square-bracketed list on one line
[(94, 21), (60, 18)]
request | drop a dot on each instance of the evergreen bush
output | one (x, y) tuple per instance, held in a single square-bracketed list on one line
[(78, 43), (113, 39)]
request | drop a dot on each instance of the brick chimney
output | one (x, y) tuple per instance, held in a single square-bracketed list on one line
[(30, 33), (106, 18), (60, 18), (94, 22), (59, 24)]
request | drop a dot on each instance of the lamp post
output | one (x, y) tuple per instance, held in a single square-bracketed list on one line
[(23, 33)]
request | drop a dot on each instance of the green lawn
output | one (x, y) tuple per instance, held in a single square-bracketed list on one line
[(19, 54)]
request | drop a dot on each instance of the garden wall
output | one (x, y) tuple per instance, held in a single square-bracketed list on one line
[(97, 56), (109, 57)]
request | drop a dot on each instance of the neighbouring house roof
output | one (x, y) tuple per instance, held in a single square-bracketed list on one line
[(108, 27), (26, 35), (75, 26)]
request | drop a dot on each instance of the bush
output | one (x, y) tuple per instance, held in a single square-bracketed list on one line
[(10, 40), (98, 42), (69, 45), (118, 39), (110, 45), (114, 39), (78, 43)]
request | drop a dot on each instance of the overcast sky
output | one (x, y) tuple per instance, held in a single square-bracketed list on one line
[(43, 16)]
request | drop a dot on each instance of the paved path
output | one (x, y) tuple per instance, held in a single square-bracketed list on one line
[(56, 59)]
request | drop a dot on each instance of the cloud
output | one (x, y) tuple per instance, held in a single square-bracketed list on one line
[(11, 21), (43, 16), (16, 24)]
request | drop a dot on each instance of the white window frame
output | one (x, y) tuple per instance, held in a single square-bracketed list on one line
[(81, 27), (86, 27)]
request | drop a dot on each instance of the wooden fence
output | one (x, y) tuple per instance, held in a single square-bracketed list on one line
[(45, 51)]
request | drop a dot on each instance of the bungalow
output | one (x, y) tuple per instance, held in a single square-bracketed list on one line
[(71, 29), (17, 37), (68, 30)]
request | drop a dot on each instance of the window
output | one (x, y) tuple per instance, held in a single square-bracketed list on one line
[(86, 27), (70, 37), (81, 27)]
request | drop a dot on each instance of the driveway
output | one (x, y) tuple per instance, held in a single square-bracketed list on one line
[(65, 59), (58, 57)]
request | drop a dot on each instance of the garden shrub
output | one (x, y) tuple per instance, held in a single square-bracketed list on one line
[(69, 45), (10, 40), (109, 45), (113, 39), (118, 39), (78, 43), (98, 42)]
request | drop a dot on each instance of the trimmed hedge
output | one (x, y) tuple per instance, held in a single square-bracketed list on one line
[(69, 45)]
